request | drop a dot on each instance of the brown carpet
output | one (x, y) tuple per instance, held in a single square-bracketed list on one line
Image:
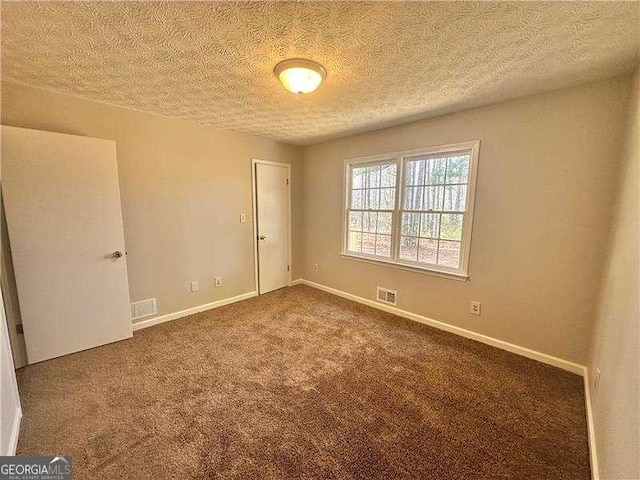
[(302, 384)]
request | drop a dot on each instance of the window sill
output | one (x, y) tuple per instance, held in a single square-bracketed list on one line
[(428, 271)]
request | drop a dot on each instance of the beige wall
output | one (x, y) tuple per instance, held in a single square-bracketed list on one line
[(183, 187), (547, 171), (616, 339)]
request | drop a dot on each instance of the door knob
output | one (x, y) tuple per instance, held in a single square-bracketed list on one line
[(262, 237), (116, 254)]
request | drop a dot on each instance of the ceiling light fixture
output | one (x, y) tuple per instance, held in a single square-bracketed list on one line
[(299, 75)]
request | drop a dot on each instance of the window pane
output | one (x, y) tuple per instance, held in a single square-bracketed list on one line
[(356, 199), (427, 251), (455, 198), (384, 223), (435, 171), (433, 198), (387, 198), (368, 243), (388, 175), (410, 224), (413, 198), (354, 241), (355, 220), (451, 226), (429, 225), (458, 169), (369, 220), (357, 177), (383, 245), (449, 254), (373, 177), (409, 248), (374, 196), (414, 172)]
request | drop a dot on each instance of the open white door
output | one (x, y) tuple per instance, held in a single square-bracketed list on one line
[(62, 204), (272, 225)]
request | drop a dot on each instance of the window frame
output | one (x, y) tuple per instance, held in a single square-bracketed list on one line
[(377, 161), (400, 159)]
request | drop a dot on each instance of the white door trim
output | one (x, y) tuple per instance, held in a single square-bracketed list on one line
[(254, 192), (13, 430)]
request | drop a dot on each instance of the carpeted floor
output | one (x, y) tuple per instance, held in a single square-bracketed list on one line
[(302, 384)]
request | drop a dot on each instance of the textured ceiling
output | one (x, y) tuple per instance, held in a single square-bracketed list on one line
[(387, 62)]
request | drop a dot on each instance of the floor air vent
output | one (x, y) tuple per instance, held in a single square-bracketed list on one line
[(387, 296)]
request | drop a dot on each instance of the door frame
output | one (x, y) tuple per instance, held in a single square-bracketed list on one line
[(254, 203)]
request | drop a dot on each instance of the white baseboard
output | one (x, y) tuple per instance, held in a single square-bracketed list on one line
[(591, 428), (510, 347), (494, 342), (190, 311), (12, 445)]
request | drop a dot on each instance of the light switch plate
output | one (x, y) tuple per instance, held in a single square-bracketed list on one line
[(243, 218)]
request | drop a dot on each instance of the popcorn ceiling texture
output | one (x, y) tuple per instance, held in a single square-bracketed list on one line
[(387, 62)]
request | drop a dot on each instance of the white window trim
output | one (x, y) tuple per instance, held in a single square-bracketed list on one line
[(461, 273)]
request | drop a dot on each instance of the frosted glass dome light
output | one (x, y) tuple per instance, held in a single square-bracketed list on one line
[(299, 75)]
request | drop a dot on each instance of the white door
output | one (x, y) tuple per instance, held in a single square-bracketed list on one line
[(62, 204), (272, 202)]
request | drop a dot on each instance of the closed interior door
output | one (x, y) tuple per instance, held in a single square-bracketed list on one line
[(62, 204), (272, 202)]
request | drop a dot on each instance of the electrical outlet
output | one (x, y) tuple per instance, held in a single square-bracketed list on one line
[(243, 218), (217, 281), (475, 308), (315, 267), (596, 381), (194, 287)]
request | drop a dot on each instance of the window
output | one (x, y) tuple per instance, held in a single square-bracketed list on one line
[(371, 209), (412, 209)]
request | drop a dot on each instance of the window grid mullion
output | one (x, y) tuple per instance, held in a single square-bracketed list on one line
[(376, 210), (418, 237), (444, 194), (397, 225), (375, 235), (453, 212), (438, 239), (433, 185)]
